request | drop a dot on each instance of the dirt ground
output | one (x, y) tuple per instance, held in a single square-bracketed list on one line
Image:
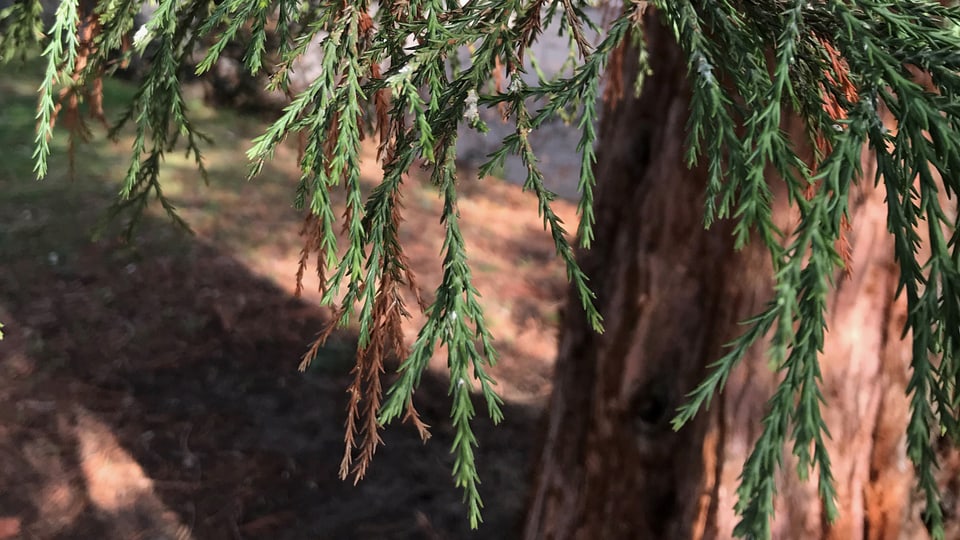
[(150, 389)]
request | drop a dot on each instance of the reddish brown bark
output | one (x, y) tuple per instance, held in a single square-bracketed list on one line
[(672, 294)]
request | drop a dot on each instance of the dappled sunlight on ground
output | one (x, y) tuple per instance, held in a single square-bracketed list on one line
[(512, 257), (165, 383)]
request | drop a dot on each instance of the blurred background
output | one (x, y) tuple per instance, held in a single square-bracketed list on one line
[(150, 388)]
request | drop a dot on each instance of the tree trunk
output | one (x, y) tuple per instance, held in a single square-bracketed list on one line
[(672, 294)]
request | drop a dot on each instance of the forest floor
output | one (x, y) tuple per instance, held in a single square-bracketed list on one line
[(150, 389)]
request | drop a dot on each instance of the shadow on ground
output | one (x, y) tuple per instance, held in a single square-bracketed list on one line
[(152, 392)]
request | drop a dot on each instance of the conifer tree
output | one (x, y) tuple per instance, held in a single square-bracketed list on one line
[(414, 71)]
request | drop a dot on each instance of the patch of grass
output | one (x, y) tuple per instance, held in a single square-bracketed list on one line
[(60, 212)]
